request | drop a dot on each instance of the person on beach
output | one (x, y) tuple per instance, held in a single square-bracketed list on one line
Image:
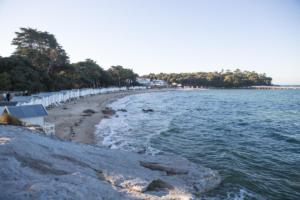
[(8, 96)]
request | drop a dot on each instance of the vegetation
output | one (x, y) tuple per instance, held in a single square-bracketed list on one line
[(226, 79), (6, 119), (41, 64)]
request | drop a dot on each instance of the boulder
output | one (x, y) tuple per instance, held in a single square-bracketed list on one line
[(108, 111), (122, 110), (148, 110)]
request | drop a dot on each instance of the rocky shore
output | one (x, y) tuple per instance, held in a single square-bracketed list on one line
[(38, 167)]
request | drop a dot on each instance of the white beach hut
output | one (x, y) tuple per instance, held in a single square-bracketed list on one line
[(31, 115)]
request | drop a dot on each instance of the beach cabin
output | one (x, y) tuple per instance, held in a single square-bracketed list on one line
[(144, 81), (31, 115)]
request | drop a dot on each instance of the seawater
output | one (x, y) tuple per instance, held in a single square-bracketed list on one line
[(252, 137)]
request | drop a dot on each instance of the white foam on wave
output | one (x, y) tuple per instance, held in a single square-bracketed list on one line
[(106, 130), (242, 195), (116, 133)]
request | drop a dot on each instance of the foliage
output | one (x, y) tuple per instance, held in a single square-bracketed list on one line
[(122, 76), (41, 64), (226, 79), (40, 48), (22, 76), (5, 83), (6, 119), (91, 74)]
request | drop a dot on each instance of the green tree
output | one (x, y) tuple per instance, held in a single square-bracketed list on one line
[(122, 76), (5, 83), (226, 78), (40, 48), (21, 74)]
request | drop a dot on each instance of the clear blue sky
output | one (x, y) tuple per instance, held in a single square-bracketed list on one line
[(167, 35)]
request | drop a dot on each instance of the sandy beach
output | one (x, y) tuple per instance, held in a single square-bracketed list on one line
[(71, 123)]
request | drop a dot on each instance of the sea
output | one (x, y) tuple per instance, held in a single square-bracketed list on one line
[(251, 137)]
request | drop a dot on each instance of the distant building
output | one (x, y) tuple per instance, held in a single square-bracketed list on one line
[(159, 83), (144, 81), (152, 83), (31, 115), (177, 85)]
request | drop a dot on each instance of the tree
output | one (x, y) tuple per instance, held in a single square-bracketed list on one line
[(227, 79), (122, 76), (90, 73), (5, 83), (21, 75), (40, 48)]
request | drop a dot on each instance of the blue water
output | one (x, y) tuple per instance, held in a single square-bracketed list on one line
[(252, 137)]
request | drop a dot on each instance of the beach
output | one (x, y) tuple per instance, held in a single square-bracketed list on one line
[(73, 124)]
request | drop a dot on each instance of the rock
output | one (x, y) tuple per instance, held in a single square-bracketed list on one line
[(122, 110), (159, 167), (148, 110), (89, 111), (108, 111), (159, 185), (34, 166)]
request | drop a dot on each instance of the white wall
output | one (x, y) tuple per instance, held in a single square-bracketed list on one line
[(1, 109), (34, 121)]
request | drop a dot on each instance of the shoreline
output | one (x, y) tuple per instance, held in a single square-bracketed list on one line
[(73, 124)]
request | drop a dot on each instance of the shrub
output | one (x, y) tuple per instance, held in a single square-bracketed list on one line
[(6, 119)]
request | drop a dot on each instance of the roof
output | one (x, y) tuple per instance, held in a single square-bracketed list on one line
[(27, 111), (8, 103)]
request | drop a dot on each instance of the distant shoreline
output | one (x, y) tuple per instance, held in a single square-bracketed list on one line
[(263, 87)]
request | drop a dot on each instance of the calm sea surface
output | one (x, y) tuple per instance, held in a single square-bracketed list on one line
[(252, 137)]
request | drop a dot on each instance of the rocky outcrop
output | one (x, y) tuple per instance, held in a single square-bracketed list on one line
[(122, 110), (147, 110), (88, 112), (37, 167), (108, 111)]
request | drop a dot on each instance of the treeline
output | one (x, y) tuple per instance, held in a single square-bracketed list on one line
[(39, 63), (224, 79)]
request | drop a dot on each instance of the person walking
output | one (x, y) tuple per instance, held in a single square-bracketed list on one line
[(8, 96)]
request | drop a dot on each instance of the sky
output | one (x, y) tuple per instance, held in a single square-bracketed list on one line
[(167, 35)]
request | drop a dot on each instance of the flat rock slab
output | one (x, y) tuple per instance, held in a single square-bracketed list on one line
[(38, 167)]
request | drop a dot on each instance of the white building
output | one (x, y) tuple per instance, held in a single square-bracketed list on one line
[(152, 83), (31, 115), (159, 83), (144, 81)]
